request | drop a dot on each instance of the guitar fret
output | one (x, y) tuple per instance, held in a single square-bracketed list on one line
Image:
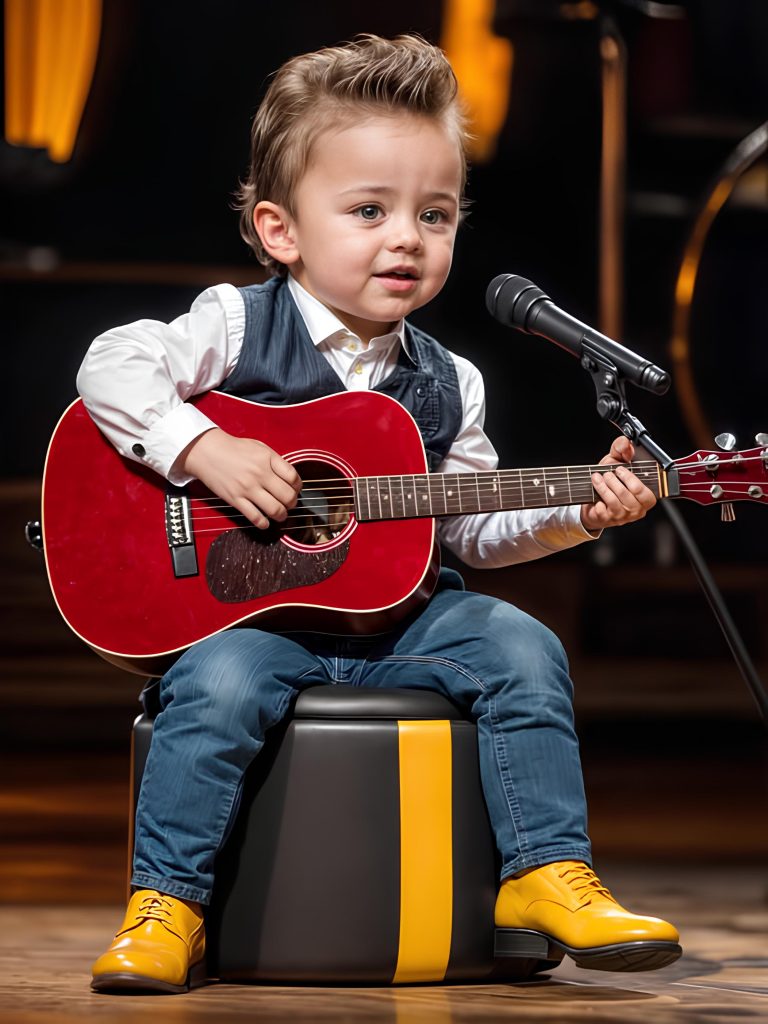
[(512, 491), (398, 509), (368, 496), (409, 501), (434, 484), (361, 513)]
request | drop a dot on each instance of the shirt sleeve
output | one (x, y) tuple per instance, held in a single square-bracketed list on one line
[(135, 379), (494, 539)]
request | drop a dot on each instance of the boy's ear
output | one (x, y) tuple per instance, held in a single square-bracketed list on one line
[(274, 226)]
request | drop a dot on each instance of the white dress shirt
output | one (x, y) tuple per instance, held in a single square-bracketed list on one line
[(135, 380)]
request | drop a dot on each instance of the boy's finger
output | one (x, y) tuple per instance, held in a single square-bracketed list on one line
[(251, 512), (617, 496), (622, 449), (286, 472)]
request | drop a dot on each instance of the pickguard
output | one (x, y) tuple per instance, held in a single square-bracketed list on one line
[(246, 564)]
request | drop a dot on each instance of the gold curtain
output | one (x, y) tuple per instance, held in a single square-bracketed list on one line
[(483, 66), (50, 56)]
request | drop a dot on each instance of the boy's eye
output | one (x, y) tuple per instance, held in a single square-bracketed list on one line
[(433, 216), (368, 212)]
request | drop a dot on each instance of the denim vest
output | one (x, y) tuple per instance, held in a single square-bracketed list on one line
[(279, 365)]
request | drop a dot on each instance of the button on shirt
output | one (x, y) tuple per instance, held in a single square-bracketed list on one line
[(360, 367), (135, 381)]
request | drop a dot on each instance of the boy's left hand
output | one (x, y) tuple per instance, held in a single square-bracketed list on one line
[(623, 498)]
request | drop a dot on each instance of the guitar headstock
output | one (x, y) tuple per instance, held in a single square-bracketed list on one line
[(716, 478)]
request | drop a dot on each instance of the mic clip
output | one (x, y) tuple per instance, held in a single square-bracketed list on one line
[(612, 404)]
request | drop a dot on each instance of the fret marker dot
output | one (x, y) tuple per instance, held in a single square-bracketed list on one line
[(450, 494), (551, 490)]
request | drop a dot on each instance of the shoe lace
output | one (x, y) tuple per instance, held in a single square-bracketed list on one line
[(584, 882), (153, 908)]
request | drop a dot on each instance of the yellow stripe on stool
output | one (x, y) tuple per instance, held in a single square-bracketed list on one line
[(426, 851)]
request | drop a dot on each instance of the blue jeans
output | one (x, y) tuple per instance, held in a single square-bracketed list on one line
[(505, 669)]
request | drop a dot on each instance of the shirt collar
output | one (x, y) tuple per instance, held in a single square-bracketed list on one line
[(322, 324)]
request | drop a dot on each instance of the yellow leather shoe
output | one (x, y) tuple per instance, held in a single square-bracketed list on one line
[(159, 948), (564, 908)]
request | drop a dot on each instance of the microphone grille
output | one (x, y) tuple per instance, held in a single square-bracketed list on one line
[(503, 296)]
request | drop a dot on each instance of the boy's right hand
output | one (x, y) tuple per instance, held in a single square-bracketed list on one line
[(246, 473)]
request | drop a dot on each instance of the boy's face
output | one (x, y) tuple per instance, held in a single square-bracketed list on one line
[(376, 217)]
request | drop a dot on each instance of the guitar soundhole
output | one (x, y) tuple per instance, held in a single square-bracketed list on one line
[(325, 505)]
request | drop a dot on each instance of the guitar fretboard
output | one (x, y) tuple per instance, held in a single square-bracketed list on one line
[(448, 494)]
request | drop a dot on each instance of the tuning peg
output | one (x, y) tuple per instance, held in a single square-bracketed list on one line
[(727, 512), (726, 441), (762, 440)]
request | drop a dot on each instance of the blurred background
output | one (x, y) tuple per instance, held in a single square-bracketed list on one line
[(619, 162)]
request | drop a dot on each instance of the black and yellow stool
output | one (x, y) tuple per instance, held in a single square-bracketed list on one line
[(362, 850)]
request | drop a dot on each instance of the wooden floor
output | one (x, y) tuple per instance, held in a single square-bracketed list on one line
[(45, 954)]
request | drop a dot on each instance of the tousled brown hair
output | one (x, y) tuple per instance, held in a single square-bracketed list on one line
[(313, 92)]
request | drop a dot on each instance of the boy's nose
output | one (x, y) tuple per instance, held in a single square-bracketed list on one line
[(405, 237)]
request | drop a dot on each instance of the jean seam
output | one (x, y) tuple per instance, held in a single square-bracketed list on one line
[(507, 784), (432, 660)]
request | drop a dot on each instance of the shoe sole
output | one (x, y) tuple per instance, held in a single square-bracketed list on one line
[(648, 955), (139, 983)]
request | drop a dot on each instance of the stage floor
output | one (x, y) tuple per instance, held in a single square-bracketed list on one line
[(722, 913)]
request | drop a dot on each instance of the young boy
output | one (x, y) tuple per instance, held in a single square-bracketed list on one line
[(353, 201)]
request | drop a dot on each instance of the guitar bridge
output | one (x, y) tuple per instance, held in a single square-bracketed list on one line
[(178, 530)]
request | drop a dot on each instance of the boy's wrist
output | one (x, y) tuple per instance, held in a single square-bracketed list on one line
[(169, 437)]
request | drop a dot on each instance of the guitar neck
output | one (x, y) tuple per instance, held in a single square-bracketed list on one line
[(451, 494)]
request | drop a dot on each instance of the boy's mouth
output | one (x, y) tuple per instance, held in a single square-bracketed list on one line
[(399, 274)]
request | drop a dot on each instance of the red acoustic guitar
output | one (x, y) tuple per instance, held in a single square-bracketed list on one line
[(141, 570)]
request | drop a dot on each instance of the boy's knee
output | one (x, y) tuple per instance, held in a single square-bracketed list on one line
[(228, 671), (520, 635)]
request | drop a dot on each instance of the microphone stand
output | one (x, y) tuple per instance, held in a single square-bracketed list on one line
[(612, 405)]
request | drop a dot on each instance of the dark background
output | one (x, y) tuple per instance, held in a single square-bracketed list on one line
[(164, 139), (140, 220)]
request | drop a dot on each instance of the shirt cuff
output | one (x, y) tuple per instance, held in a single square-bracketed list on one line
[(169, 436), (576, 528)]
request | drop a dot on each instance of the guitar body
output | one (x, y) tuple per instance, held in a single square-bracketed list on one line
[(114, 573), (141, 570)]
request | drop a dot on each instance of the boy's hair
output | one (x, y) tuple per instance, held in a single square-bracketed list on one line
[(310, 93)]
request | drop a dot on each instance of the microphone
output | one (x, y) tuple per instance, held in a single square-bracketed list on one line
[(517, 302)]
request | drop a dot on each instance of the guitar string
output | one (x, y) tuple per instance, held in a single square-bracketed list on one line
[(562, 471), (645, 464), (487, 483), (556, 472), (347, 499), (469, 481), (235, 515), (490, 478)]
